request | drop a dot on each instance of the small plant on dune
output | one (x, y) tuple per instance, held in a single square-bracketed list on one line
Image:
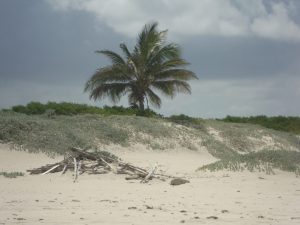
[(188, 121), (11, 174)]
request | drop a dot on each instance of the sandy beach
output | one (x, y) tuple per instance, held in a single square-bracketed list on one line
[(210, 198)]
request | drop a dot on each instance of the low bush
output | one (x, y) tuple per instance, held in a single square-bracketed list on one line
[(66, 108), (187, 121), (281, 123)]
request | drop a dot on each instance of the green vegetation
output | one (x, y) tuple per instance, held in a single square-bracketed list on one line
[(187, 121), (65, 108), (238, 145), (50, 109), (282, 123), (11, 174), (262, 161), (245, 138), (153, 65), (56, 135)]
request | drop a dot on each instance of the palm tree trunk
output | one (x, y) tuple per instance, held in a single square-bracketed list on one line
[(141, 105)]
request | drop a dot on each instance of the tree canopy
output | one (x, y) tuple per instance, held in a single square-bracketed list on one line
[(153, 65)]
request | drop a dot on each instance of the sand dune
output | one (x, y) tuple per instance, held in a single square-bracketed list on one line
[(209, 198)]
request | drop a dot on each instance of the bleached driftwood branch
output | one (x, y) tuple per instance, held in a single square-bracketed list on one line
[(150, 174), (52, 168), (97, 163)]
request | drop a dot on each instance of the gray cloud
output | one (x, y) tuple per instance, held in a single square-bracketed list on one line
[(272, 20)]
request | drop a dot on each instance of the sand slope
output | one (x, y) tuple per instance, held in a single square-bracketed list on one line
[(234, 198)]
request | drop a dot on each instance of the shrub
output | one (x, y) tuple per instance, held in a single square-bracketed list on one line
[(287, 124), (187, 121), (67, 108)]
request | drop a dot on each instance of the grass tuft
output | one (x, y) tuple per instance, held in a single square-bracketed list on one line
[(11, 174)]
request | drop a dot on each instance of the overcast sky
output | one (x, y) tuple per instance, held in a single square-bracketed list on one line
[(246, 53)]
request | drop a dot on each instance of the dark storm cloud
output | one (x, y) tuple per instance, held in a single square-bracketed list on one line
[(44, 46)]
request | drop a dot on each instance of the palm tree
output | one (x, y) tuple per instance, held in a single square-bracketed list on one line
[(153, 65)]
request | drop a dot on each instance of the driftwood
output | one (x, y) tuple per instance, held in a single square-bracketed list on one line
[(81, 161), (149, 175), (48, 171)]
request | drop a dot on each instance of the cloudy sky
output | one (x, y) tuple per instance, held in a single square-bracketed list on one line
[(245, 53)]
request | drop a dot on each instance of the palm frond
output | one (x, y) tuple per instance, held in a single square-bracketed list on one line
[(133, 98), (153, 98), (108, 74), (171, 87), (179, 74), (115, 58), (160, 54), (149, 32), (125, 50), (148, 40), (114, 91), (171, 64)]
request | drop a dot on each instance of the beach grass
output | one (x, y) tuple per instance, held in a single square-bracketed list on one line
[(237, 146), (262, 161), (11, 174)]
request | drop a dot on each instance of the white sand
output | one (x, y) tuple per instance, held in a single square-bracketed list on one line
[(110, 199)]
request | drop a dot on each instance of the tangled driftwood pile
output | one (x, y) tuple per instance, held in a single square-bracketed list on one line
[(81, 161)]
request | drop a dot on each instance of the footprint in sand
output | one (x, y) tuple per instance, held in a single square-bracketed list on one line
[(295, 218), (212, 217)]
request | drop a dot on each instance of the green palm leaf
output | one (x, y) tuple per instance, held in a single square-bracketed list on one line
[(112, 90), (171, 87), (179, 74), (115, 58), (154, 99), (125, 51)]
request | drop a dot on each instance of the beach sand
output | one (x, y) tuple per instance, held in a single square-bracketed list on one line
[(210, 198)]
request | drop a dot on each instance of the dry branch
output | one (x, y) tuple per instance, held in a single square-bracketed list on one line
[(149, 175), (48, 171), (81, 161)]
